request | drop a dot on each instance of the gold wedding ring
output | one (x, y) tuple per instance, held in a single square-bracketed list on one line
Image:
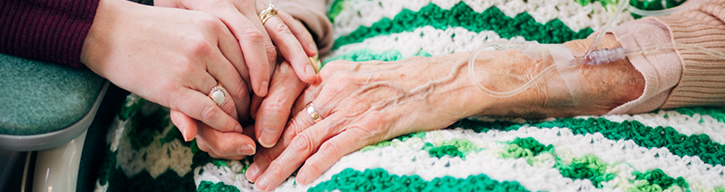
[(270, 12), (218, 94), (315, 61), (310, 108)]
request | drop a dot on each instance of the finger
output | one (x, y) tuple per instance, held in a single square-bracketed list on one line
[(201, 107), (329, 153), (301, 147), (234, 76), (300, 121), (227, 145), (291, 49), (301, 32), (185, 124), (263, 158), (276, 107), (237, 98), (255, 45), (230, 80), (254, 108), (229, 45)]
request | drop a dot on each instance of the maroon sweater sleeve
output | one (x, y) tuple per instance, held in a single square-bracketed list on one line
[(46, 30)]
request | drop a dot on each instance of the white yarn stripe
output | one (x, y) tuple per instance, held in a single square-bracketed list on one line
[(429, 39), (230, 175), (158, 157), (406, 158), (100, 188), (684, 124), (359, 13)]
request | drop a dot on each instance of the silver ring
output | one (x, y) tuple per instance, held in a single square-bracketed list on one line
[(314, 114), (218, 94), (267, 13)]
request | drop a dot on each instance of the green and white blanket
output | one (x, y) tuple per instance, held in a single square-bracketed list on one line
[(664, 150)]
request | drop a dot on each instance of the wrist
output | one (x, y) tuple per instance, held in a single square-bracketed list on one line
[(99, 40)]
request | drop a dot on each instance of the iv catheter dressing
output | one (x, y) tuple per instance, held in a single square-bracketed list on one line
[(565, 62)]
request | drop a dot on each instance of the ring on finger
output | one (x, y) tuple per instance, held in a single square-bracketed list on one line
[(267, 13), (218, 94), (316, 64), (314, 114)]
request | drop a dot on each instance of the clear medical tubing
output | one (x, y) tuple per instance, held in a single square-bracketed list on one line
[(593, 55)]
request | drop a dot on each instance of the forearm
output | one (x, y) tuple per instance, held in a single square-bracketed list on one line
[(603, 87), (51, 31)]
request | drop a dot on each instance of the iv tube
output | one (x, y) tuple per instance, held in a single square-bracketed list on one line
[(592, 52)]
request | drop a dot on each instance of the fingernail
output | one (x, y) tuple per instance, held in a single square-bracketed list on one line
[(268, 137), (252, 172), (262, 183), (246, 150), (312, 46), (301, 178), (263, 88), (310, 70), (238, 129), (183, 131)]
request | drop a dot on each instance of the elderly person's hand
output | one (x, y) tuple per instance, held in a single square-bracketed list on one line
[(365, 103), (172, 57)]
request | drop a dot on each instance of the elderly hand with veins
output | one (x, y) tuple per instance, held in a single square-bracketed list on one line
[(365, 103)]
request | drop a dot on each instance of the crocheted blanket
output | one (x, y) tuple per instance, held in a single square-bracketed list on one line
[(664, 150)]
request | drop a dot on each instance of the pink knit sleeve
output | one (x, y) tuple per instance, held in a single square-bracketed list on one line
[(679, 77)]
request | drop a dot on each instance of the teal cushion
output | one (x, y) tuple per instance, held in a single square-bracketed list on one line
[(38, 97)]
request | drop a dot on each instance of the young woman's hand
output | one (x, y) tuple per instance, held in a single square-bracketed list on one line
[(172, 57), (242, 17)]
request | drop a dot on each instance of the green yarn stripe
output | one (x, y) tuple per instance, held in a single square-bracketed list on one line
[(208, 186), (335, 8), (714, 112), (658, 180), (380, 180), (461, 15), (367, 54), (588, 167), (454, 148), (678, 144)]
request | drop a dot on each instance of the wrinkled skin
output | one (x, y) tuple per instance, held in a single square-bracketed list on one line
[(365, 103)]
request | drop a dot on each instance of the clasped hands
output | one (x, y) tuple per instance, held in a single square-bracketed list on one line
[(176, 52), (175, 56)]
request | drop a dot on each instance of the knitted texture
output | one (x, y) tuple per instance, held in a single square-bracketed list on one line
[(666, 150)]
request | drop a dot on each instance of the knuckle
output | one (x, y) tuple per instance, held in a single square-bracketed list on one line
[(282, 28), (242, 92), (271, 50), (315, 167), (253, 34), (304, 143), (330, 149), (199, 46), (208, 20), (275, 108), (184, 66), (209, 112), (275, 169)]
